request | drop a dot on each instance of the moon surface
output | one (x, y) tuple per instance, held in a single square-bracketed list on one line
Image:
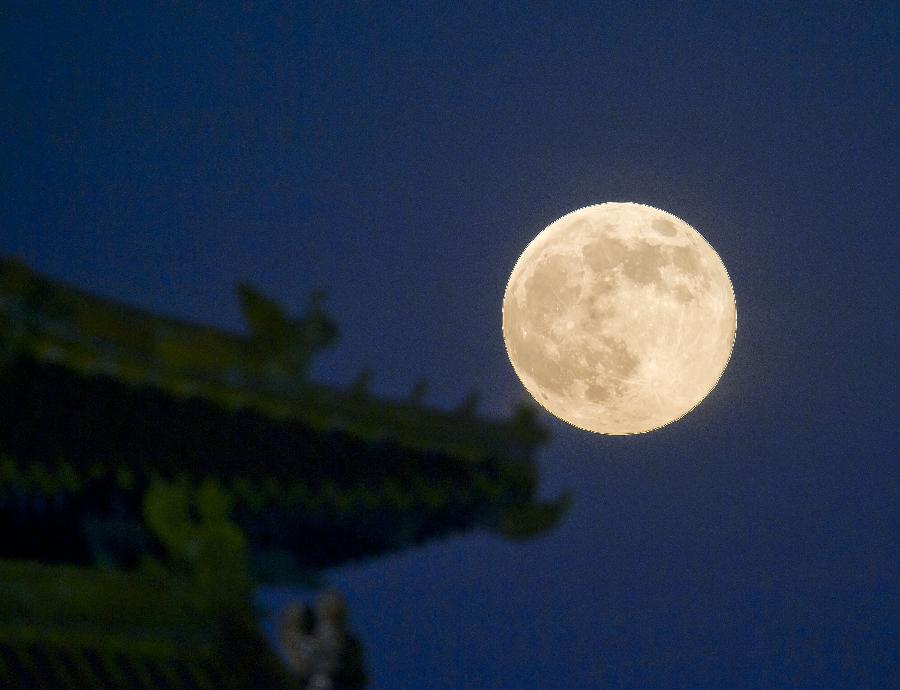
[(619, 318)]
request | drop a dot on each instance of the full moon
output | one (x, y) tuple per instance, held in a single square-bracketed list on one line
[(619, 318)]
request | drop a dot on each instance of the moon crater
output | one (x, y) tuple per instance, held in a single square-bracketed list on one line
[(619, 318)]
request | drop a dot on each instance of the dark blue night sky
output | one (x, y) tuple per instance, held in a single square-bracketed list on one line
[(402, 158)]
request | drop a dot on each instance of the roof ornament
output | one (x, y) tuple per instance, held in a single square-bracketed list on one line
[(469, 406), (286, 345), (418, 392), (361, 384)]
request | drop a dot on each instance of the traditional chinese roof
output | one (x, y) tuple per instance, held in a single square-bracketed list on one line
[(265, 371), (98, 399)]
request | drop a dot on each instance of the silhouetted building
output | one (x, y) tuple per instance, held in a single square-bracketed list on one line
[(161, 449)]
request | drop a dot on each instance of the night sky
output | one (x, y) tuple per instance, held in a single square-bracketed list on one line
[(402, 159)]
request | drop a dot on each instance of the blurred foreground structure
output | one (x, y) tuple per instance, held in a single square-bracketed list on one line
[(154, 472)]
